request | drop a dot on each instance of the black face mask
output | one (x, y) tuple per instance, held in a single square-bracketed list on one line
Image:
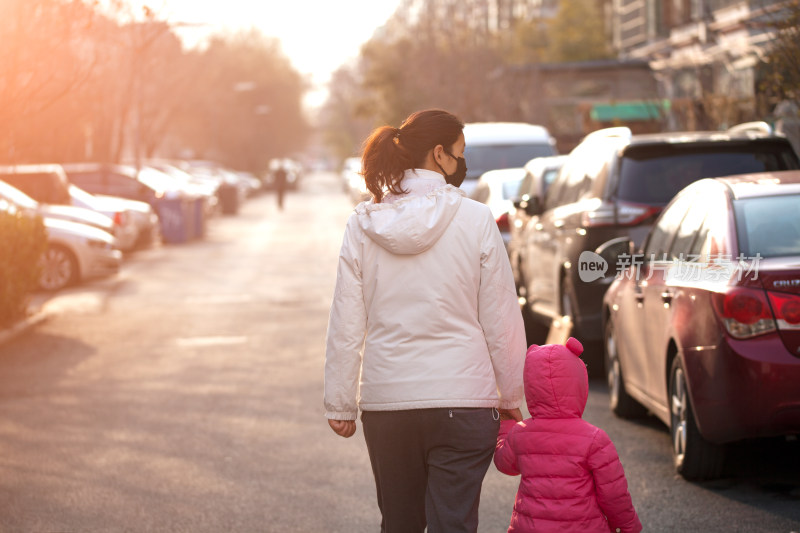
[(456, 178)]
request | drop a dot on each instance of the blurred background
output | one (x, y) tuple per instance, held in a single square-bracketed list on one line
[(124, 81)]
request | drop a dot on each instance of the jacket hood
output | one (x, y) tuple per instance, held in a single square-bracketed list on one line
[(413, 222), (556, 381)]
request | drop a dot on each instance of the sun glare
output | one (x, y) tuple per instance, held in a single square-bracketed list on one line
[(316, 35)]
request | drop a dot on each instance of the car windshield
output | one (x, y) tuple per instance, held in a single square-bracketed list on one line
[(497, 156), (17, 197), (511, 189), (769, 226), (157, 180), (84, 198), (654, 174)]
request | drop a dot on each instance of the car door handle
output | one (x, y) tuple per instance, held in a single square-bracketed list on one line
[(666, 297)]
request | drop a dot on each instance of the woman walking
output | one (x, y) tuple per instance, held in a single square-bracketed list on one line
[(425, 335)]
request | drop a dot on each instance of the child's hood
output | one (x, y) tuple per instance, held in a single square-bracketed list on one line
[(556, 381)]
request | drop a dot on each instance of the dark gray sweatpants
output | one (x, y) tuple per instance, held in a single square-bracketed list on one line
[(429, 465)]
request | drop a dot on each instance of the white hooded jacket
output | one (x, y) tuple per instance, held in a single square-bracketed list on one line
[(425, 312)]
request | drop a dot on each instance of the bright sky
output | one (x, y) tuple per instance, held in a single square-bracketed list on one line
[(317, 35)]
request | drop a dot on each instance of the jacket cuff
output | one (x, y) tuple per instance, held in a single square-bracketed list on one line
[(510, 404), (339, 415)]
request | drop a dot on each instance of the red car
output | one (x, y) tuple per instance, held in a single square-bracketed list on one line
[(702, 325)]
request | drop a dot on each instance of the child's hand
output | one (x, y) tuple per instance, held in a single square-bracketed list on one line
[(510, 414)]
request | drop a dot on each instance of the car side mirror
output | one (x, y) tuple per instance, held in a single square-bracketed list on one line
[(612, 250), (533, 206)]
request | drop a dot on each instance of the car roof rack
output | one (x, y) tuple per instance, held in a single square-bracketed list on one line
[(757, 126)]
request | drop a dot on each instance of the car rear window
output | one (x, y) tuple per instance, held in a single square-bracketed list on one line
[(769, 225), (497, 156), (654, 174)]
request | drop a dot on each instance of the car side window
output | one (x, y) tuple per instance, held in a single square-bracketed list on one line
[(89, 181), (548, 177), (123, 185), (658, 243), (553, 196), (526, 187), (481, 193), (713, 241), (577, 181), (691, 226)]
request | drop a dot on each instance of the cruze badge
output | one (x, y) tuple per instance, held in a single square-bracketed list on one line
[(785, 283)]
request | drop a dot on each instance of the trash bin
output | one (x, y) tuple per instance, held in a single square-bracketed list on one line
[(229, 199), (175, 220)]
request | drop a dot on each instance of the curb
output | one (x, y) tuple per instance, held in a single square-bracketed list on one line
[(22, 326)]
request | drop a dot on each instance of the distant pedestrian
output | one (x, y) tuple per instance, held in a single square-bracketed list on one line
[(280, 178), (572, 479), (425, 335)]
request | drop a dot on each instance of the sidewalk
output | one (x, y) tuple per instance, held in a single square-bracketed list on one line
[(36, 315)]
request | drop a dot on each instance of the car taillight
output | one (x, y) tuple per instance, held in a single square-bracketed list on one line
[(786, 308), (744, 312), (502, 222), (119, 218)]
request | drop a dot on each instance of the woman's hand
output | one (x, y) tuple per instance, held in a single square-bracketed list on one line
[(346, 428), (510, 414)]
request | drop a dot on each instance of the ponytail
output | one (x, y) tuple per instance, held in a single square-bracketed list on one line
[(389, 152), (384, 162)]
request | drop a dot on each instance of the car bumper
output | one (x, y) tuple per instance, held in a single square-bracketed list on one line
[(744, 389), (101, 262), (126, 237)]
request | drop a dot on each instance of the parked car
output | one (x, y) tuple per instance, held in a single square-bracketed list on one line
[(614, 184), (232, 191), (75, 252), (181, 212), (540, 172), (703, 326), (125, 228), (499, 145), (207, 188), (354, 183), (143, 215), (70, 213), (498, 189)]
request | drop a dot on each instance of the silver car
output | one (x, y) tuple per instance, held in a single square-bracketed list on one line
[(76, 252)]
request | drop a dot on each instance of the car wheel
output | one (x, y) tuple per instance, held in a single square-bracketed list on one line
[(695, 457), (59, 268), (620, 402)]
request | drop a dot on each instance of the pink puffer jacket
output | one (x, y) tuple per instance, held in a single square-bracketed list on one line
[(572, 479)]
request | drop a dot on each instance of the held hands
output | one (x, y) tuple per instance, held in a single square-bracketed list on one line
[(346, 428), (510, 414)]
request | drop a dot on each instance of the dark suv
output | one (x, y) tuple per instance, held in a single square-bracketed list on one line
[(615, 184)]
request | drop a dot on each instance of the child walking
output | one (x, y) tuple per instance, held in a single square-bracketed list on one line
[(572, 479)]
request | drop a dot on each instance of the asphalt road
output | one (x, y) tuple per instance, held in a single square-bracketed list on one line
[(185, 394)]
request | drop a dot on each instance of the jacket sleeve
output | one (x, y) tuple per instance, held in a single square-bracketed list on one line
[(500, 317), (504, 457), (346, 330), (612, 487)]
